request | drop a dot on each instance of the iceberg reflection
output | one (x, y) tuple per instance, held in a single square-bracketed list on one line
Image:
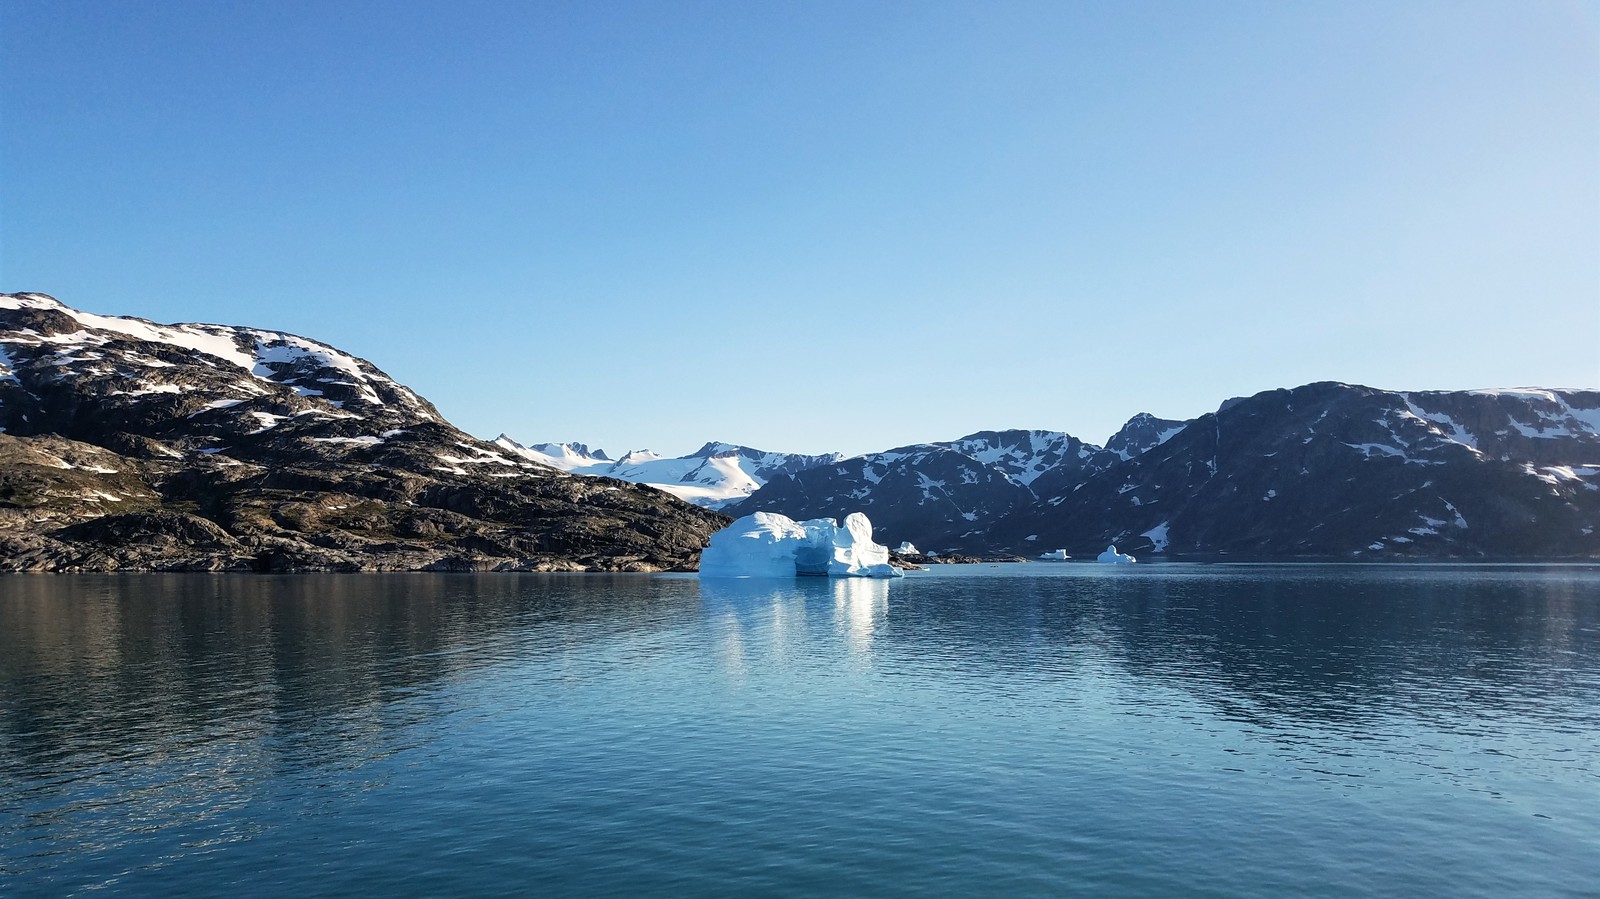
[(755, 613), (859, 607), (748, 612)]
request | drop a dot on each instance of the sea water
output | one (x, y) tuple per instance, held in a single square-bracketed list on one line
[(1019, 730)]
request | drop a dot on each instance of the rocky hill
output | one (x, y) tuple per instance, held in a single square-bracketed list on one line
[(125, 444)]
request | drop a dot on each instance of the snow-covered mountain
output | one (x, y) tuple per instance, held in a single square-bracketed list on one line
[(1344, 471), (129, 444), (1326, 470), (937, 495), (712, 476)]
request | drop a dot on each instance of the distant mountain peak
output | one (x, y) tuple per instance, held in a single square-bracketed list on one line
[(1142, 432), (716, 474), (716, 448)]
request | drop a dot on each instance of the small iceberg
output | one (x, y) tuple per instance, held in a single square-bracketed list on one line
[(769, 545), (907, 548), (1112, 557), (1055, 555)]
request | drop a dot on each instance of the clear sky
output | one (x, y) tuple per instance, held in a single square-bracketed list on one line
[(820, 226)]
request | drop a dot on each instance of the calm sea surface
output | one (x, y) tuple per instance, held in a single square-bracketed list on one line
[(1021, 730)]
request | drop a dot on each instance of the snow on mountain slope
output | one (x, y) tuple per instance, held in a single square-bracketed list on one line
[(712, 476), (1142, 432), (252, 358), (1023, 455), (574, 458)]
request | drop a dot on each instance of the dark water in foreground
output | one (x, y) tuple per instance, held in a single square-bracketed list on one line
[(1038, 729)]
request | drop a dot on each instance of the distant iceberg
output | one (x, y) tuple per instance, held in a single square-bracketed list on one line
[(1112, 557), (769, 545), (1055, 555), (907, 548)]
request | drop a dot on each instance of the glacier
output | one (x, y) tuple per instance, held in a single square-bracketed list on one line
[(769, 545)]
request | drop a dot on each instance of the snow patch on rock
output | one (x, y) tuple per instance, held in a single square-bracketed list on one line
[(1158, 537)]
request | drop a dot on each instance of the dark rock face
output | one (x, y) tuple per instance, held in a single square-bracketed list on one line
[(1328, 471), (131, 445)]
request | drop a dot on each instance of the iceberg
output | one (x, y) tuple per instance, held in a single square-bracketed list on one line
[(769, 545), (1112, 557), (907, 548), (1055, 555)]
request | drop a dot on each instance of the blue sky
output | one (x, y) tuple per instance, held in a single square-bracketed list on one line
[(825, 226)]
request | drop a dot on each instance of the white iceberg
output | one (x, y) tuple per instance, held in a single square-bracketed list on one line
[(1055, 555), (769, 545), (907, 548), (1112, 557)]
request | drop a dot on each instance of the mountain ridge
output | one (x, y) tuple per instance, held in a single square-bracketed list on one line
[(1526, 461), (131, 445)]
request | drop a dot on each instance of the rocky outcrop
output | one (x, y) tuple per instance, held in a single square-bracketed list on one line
[(128, 445)]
